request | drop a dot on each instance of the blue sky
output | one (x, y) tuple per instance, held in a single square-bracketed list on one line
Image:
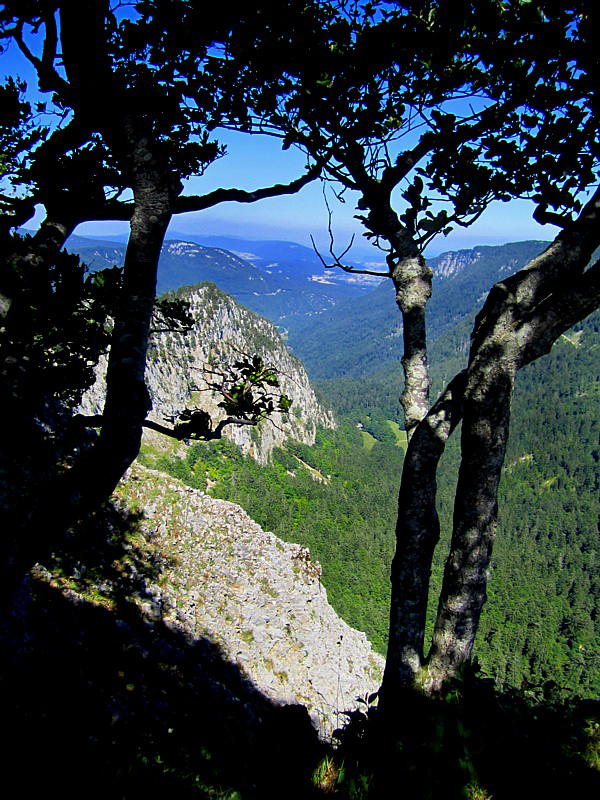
[(257, 160), (254, 161)]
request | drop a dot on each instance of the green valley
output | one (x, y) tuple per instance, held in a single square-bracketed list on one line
[(541, 621)]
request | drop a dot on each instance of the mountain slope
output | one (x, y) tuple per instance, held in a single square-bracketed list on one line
[(257, 597), (179, 364), (291, 261), (362, 335), (282, 291)]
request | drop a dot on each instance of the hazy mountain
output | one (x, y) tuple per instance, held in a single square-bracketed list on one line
[(279, 280), (292, 262), (362, 335)]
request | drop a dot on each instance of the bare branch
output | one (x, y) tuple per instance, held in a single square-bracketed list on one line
[(337, 260), (338, 263)]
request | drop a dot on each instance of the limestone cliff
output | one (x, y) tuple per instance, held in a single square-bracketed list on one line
[(259, 598), (452, 263), (222, 331), (496, 259)]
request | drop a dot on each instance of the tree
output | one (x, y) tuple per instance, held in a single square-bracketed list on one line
[(456, 105), (135, 101), (490, 100)]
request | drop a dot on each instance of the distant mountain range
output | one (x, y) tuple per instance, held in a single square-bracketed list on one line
[(282, 281), (339, 324), (362, 335)]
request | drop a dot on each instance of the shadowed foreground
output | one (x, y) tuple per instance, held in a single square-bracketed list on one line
[(99, 701), (111, 706)]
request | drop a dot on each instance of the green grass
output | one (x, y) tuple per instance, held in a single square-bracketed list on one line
[(368, 440), (399, 434)]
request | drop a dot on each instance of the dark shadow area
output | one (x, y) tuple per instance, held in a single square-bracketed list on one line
[(98, 700), (103, 698), (476, 743)]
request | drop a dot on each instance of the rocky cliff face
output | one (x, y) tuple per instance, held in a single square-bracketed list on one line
[(498, 259), (177, 372), (257, 597), (224, 578), (448, 264)]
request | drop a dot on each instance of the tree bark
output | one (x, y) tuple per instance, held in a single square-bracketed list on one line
[(417, 534), (412, 281), (485, 426), (521, 319)]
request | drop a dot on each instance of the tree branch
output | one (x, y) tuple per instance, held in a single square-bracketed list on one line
[(48, 77), (338, 263), (545, 217), (557, 314), (546, 278), (200, 202), (337, 260), (97, 420)]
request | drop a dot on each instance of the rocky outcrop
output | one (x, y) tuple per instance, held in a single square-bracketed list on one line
[(452, 263), (177, 375), (496, 259), (256, 596)]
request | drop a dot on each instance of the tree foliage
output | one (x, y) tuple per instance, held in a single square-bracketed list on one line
[(133, 96), (456, 105)]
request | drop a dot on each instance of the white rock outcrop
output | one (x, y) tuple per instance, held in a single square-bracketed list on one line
[(256, 596), (176, 373)]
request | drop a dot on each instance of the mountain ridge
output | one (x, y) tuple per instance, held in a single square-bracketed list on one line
[(362, 335), (179, 366)]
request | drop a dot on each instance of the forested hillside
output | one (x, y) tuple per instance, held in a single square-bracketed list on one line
[(541, 621), (339, 497)]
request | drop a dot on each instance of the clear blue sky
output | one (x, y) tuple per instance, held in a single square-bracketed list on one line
[(254, 161)]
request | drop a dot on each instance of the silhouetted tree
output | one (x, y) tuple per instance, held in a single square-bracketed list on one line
[(134, 94), (431, 111)]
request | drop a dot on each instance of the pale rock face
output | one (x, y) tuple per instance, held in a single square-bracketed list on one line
[(449, 264), (223, 331), (258, 597)]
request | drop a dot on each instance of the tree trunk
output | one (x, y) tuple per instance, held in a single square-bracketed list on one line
[(485, 425), (417, 533), (412, 281), (127, 401), (521, 319), (93, 477)]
